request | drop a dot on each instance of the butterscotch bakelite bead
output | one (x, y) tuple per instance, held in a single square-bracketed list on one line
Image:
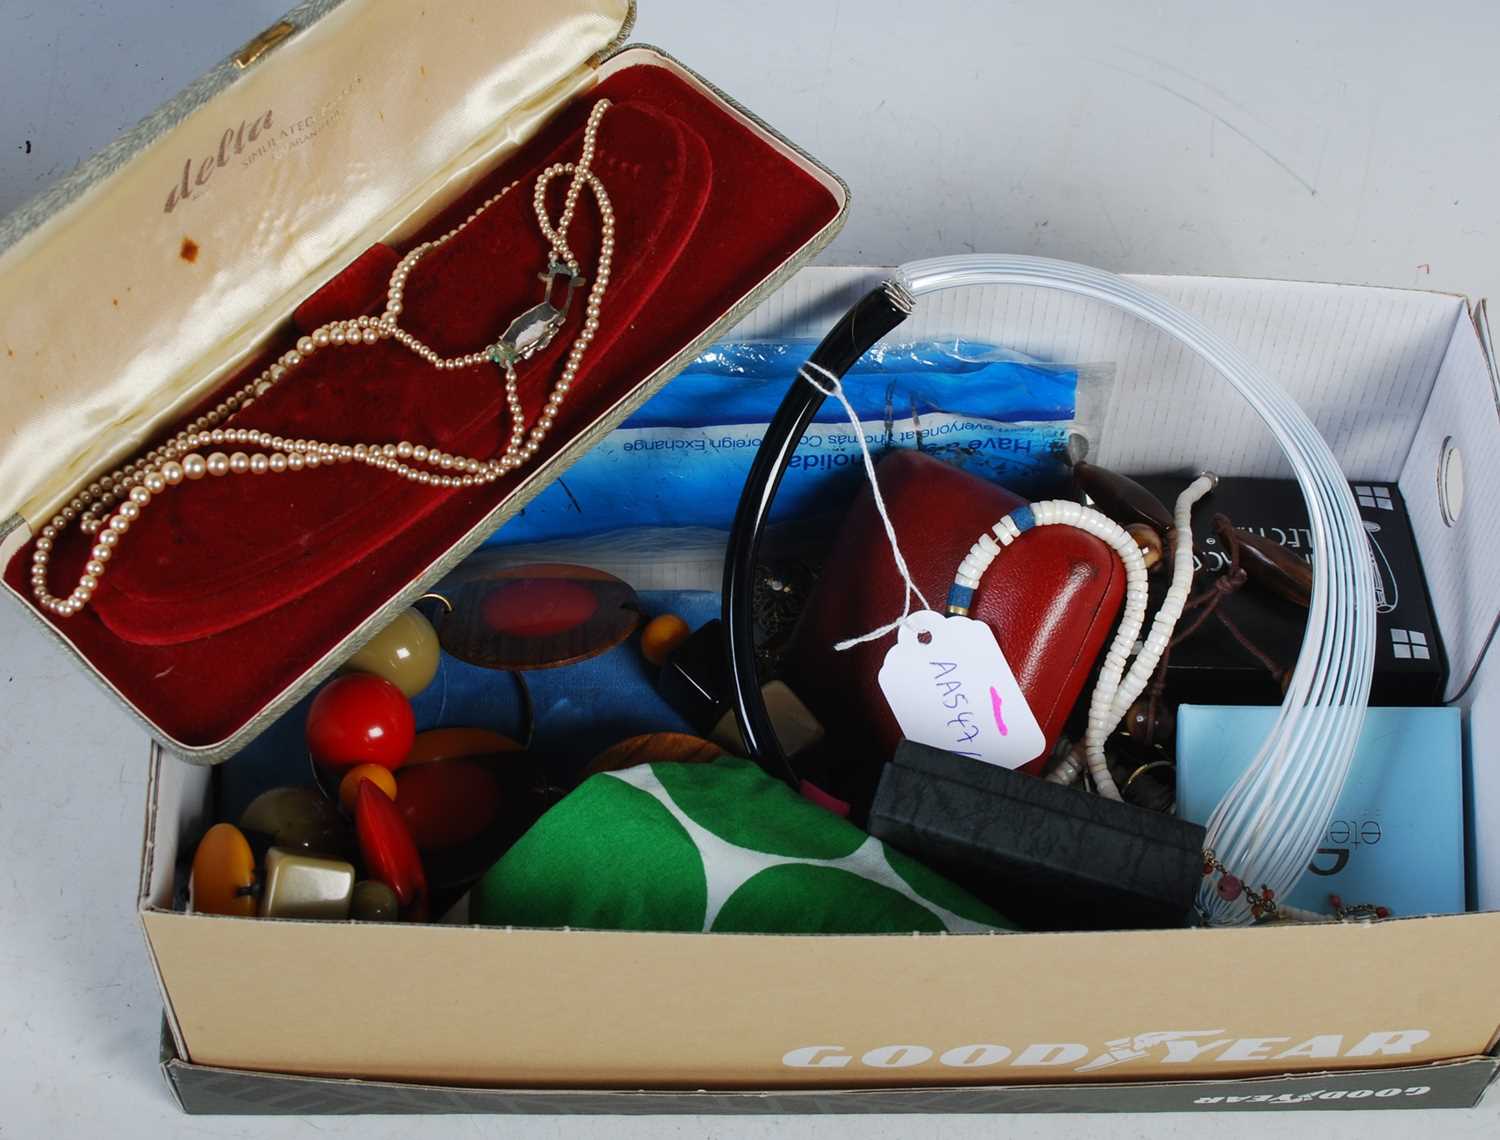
[(438, 744), (374, 902), (1152, 547), (223, 876), (661, 637), (405, 653), (382, 778)]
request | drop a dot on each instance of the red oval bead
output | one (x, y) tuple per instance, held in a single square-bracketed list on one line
[(389, 853), (447, 803), (360, 719)]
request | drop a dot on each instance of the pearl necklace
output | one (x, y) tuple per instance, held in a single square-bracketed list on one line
[(179, 460)]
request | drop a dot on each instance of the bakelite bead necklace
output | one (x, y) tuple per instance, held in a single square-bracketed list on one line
[(180, 459)]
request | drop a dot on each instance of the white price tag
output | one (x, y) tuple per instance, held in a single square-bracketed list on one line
[(955, 691)]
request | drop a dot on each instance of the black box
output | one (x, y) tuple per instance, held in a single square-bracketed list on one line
[(1212, 668)]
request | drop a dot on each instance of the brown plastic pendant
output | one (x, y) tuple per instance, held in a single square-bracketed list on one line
[(654, 747), (538, 617), (1274, 568), (1122, 498), (223, 877)]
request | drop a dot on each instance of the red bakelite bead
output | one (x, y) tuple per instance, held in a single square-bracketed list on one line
[(360, 719), (389, 853), (447, 803)]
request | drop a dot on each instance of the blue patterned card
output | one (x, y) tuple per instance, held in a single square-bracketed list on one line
[(1396, 839)]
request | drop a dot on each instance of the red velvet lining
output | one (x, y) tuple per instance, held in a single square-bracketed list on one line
[(226, 591)]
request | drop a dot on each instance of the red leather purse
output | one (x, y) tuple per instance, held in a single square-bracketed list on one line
[(1051, 599)]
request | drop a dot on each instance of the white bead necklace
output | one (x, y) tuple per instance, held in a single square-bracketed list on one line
[(1117, 687), (180, 460)]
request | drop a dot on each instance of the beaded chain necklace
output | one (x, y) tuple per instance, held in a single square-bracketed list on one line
[(181, 459)]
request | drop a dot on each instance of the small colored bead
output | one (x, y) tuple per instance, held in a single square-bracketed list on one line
[(223, 876), (377, 775), (405, 653), (1230, 888), (374, 902), (662, 636)]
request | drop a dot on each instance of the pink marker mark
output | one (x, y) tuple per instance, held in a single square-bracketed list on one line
[(997, 705)]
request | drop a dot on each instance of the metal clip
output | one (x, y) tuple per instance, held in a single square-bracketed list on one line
[(534, 329)]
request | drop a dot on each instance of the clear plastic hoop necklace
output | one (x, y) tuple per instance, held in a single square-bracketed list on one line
[(180, 459)]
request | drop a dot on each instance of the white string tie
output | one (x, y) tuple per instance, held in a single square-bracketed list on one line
[(830, 385)]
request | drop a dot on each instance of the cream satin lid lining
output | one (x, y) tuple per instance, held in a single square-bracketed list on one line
[(137, 297)]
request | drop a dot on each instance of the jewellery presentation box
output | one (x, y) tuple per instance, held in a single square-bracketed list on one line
[(128, 296), (273, 198)]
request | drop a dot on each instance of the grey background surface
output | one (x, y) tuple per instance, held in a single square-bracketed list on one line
[(1332, 141)]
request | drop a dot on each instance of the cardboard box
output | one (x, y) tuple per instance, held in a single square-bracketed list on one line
[(558, 1020)]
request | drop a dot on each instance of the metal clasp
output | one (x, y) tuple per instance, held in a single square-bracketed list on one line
[(534, 329)]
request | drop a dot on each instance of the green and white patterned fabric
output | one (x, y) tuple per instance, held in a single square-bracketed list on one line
[(713, 847)]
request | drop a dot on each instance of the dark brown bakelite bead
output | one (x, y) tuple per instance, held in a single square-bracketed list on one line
[(1274, 568), (1122, 498), (654, 747), (1145, 729)]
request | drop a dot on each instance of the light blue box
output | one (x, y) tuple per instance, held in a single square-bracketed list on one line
[(1396, 838)]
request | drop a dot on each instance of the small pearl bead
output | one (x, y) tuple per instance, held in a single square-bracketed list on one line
[(306, 345), (218, 464), (295, 461), (404, 450), (277, 463), (119, 524), (94, 566), (194, 466), (312, 459), (156, 482), (43, 545), (103, 550), (130, 511), (259, 464), (88, 582), (140, 496), (239, 463), (321, 338)]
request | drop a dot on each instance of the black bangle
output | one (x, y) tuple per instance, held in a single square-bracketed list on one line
[(874, 315)]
